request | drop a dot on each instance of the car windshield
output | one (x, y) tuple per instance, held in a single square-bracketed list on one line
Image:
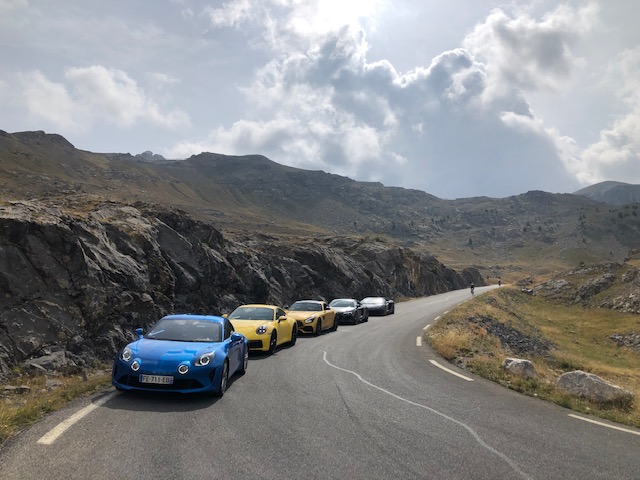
[(373, 300), (186, 330), (343, 303), (306, 307), (252, 313)]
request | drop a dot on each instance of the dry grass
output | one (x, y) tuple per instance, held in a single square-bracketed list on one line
[(33, 399), (580, 337)]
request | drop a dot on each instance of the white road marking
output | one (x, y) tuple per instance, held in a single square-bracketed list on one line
[(427, 327), (418, 341), (441, 367), (603, 424), (446, 312), (52, 435), (437, 318), (473, 433)]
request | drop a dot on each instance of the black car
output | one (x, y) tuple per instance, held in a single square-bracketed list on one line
[(349, 310), (379, 305)]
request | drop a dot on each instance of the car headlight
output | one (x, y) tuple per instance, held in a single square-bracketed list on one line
[(204, 359), (183, 368), (348, 312), (135, 365), (261, 329), (126, 355), (310, 319)]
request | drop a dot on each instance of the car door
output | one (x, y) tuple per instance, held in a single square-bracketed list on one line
[(284, 327), (329, 316), (234, 351)]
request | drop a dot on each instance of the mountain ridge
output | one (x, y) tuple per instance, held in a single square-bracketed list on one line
[(500, 236)]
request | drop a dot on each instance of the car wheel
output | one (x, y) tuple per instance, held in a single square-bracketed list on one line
[(356, 318), (294, 336), (245, 362), (224, 379), (273, 343), (318, 331), (335, 325)]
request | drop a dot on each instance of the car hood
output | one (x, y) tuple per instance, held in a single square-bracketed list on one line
[(344, 309), (249, 326), (301, 315), (166, 349)]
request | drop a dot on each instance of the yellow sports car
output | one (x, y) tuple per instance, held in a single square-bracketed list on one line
[(265, 326), (313, 316)]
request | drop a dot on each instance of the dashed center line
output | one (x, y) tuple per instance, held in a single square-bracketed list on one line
[(418, 341)]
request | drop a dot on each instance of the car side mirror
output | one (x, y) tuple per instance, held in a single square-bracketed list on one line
[(282, 318), (235, 336), (139, 332), (225, 315)]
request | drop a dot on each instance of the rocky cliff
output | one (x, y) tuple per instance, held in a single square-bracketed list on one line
[(77, 279)]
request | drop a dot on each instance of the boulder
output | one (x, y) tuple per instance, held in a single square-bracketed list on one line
[(520, 367), (595, 389)]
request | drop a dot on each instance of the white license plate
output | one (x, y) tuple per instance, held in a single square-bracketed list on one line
[(158, 379)]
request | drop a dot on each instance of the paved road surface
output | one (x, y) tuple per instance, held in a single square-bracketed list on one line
[(364, 402)]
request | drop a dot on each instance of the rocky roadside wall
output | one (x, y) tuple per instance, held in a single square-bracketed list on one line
[(80, 282)]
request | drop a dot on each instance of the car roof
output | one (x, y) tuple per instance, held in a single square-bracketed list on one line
[(258, 305), (189, 316), (309, 301)]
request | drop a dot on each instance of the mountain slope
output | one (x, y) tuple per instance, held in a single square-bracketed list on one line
[(614, 193), (511, 237)]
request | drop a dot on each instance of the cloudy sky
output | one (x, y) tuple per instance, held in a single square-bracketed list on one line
[(457, 98)]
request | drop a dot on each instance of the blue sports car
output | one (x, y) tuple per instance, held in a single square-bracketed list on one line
[(182, 353)]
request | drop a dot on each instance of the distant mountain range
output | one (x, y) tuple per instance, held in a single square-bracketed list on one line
[(614, 193), (532, 233)]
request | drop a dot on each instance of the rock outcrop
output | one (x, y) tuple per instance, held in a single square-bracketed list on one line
[(595, 389), (520, 367), (79, 280)]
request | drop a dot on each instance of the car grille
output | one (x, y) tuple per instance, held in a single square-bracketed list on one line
[(255, 344)]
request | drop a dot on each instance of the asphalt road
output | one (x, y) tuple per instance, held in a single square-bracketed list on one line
[(365, 402)]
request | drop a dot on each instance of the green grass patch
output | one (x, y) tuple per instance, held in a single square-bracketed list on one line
[(578, 339), (32, 399)]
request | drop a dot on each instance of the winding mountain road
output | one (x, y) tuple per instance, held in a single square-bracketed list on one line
[(366, 402)]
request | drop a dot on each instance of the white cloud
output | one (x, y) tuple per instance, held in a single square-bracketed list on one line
[(92, 95), (617, 153), (320, 102), (523, 53), (317, 84)]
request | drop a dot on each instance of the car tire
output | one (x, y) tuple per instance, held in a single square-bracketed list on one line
[(245, 362), (294, 336), (273, 343), (335, 325), (318, 330), (224, 380)]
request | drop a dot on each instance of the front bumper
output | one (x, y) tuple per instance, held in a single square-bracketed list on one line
[(197, 379)]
